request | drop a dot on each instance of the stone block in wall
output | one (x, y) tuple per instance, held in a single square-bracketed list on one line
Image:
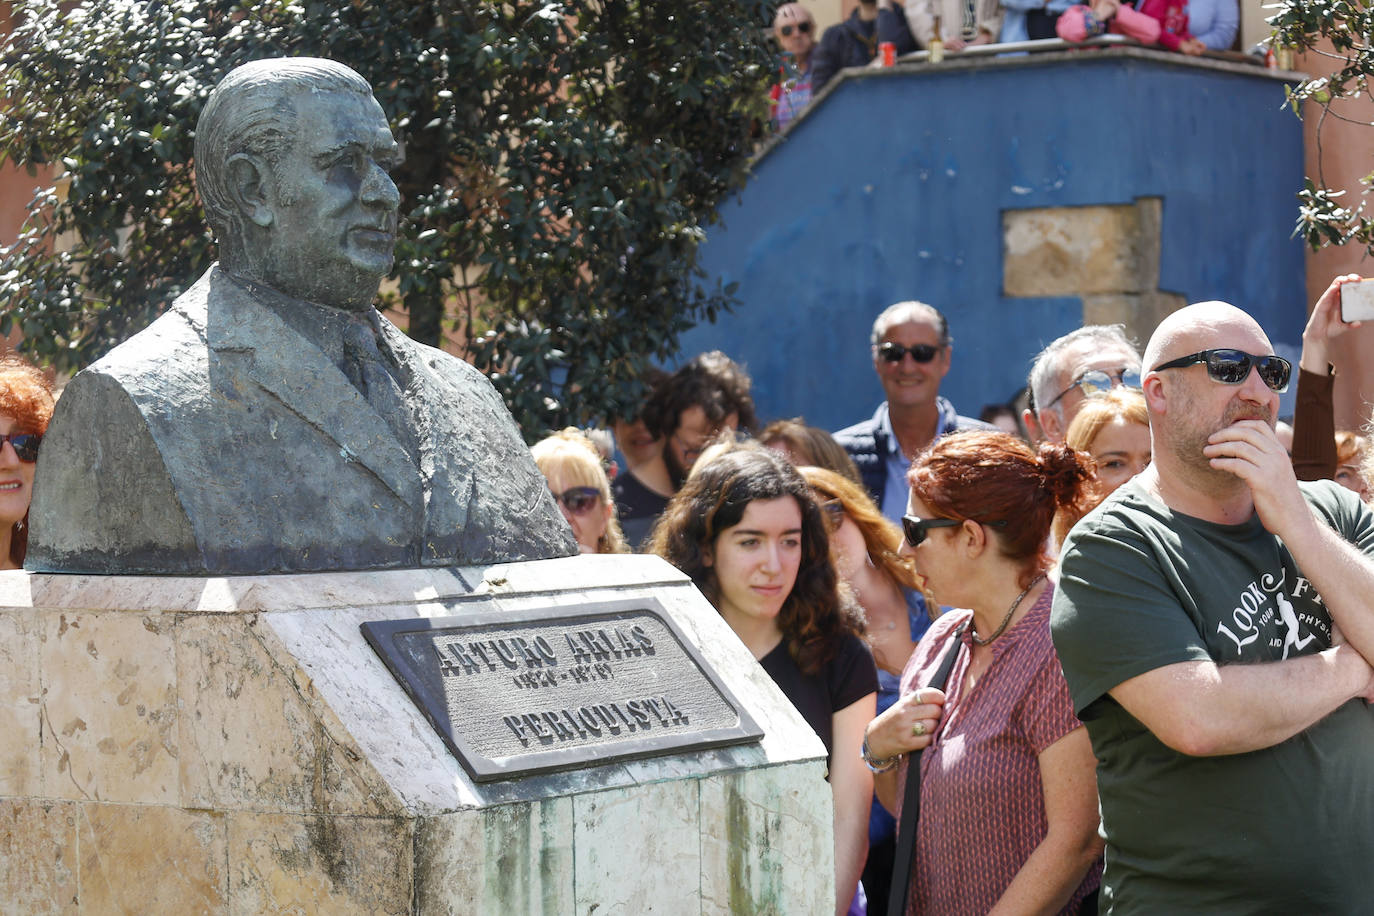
[(286, 863), (743, 871), (150, 859), (109, 707), (515, 858), (638, 850), (38, 867), (252, 738), (1075, 251), (20, 694), (1141, 313)]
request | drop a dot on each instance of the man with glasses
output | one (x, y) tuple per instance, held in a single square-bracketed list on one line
[(911, 353), (1078, 365), (1213, 620), (272, 420), (704, 398)]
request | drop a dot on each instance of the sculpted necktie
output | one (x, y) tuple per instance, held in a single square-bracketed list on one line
[(374, 375)]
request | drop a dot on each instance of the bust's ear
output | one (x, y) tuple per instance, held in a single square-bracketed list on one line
[(246, 179)]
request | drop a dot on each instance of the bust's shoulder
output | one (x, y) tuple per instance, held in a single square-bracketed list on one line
[(445, 366)]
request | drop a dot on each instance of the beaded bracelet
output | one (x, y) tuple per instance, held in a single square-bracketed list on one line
[(877, 764)]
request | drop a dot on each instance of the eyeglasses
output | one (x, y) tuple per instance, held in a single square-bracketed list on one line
[(802, 27), (579, 500), (691, 451), (832, 510), (25, 445), (915, 529), (1096, 381), (1232, 367), (893, 352)]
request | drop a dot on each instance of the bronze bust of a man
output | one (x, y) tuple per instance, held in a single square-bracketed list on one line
[(272, 420)]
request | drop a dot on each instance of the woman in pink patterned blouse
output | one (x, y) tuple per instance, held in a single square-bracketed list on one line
[(1008, 819)]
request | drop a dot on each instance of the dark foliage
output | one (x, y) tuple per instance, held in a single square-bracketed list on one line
[(562, 161)]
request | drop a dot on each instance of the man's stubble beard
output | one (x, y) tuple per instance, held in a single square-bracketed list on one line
[(1187, 444)]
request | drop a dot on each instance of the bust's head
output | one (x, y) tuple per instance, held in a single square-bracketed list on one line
[(292, 164)]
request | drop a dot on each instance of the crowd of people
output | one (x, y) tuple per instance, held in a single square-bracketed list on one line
[(808, 61), (1028, 624)]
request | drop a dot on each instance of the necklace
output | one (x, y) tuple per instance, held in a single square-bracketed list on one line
[(1007, 619)]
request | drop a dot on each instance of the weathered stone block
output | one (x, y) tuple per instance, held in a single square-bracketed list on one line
[(327, 864), (744, 868), (19, 703), (151, 859), (109, 707), (1073, 251), (251, 738), (638, 850), (38, 867), (507, 859)]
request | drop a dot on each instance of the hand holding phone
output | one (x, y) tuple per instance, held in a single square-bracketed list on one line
[(1357, 300)]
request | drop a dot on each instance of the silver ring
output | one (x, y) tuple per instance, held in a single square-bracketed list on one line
[(918, 729)]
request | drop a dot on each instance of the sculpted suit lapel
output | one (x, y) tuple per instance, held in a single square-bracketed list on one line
[(267, 350)]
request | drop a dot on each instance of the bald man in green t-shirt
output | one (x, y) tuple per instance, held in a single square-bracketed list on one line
[(1214, 619)]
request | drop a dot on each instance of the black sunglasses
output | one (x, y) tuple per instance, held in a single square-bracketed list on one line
[(915, 529), (1232, 367), (579, 500), (893, 352), (25, 445), (803, 27)]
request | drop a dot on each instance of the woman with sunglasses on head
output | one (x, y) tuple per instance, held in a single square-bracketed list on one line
[(864, 548), (746, 529), (572, 465), (1008, 797), (26, 405)]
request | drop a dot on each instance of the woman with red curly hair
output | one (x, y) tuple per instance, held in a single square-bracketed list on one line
[(1008, 795), (26, 403), (745, 527)]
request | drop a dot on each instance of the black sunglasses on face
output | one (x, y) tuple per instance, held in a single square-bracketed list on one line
[(25, 445), (915, 529), (579, 500), (893, 352), (802, 27), (1232, 367)]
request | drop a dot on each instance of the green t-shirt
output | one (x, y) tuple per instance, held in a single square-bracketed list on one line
[(1287, 829)]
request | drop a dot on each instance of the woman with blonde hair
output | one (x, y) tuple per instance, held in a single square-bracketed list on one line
[(26, 405), (572, 465), (1352, 450), (1114, 428), (864, 548)]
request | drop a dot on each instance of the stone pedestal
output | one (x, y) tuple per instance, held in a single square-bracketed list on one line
[(232, 745)]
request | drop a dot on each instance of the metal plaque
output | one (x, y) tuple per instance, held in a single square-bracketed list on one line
[(514, 693)]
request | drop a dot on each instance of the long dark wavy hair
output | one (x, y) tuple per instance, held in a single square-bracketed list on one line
[(815, 615)]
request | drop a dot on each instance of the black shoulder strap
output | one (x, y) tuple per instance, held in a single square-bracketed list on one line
[(905, 857)]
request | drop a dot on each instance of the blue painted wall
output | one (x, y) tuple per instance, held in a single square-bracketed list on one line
[(893, 186)]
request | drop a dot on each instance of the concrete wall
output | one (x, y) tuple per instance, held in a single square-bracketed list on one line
[(906, 182)]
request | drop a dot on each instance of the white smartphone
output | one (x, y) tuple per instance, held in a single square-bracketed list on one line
[(1357, 300)]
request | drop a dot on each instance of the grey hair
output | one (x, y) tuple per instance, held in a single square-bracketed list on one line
[(910, 310), (250, 111), (1045, 371)]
